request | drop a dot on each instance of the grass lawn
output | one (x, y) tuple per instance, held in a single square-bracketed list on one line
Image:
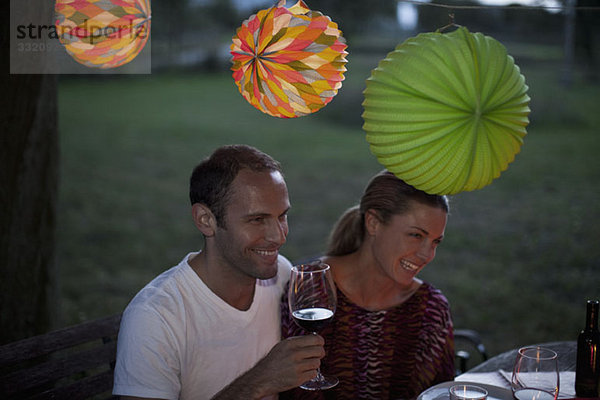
[(520, 257)]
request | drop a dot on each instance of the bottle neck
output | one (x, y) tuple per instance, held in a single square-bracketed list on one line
[(591, 320)]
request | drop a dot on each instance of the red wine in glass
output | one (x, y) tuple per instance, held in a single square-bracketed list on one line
[(312, 319), (312, 301)]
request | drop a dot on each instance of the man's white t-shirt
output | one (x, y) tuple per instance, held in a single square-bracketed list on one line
[(179, 340)]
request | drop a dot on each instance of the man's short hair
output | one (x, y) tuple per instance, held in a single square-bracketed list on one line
[(211, 180)]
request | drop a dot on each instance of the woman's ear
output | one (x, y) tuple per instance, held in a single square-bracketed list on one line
[(204, 219), (372, 222)]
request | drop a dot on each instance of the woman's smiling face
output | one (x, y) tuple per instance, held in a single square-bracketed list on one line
[(407, 243)]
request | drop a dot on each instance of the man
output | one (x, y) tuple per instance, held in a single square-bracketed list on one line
[(209, 327)]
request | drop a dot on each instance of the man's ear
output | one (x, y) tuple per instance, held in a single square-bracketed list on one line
[(204, 219), (372, 221)]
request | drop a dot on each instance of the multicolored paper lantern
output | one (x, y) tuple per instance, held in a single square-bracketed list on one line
[(288, 62), (446, 112), (103, 33)]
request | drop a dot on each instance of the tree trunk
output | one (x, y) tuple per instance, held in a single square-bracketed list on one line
[(28, 194)]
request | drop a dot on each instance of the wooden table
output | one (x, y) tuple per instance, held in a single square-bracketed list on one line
[(567, 357)]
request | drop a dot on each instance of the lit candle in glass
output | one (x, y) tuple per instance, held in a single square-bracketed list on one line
[(467, 392)]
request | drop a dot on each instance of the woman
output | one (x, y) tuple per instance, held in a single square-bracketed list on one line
[(392, 335)]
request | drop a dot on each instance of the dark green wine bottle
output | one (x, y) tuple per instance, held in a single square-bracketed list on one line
[(587, 374)]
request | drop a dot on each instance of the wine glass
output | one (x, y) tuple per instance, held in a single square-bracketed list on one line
[(312, 301), (535, 374)]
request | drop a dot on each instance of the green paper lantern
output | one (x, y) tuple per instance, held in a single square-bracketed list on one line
[(446, 112)]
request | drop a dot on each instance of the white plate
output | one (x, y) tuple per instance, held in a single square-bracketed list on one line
[(440, 391)]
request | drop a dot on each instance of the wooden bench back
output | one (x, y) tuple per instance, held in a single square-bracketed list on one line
[(71, 363)]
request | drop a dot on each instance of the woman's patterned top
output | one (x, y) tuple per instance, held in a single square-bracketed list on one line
[(391, 354)]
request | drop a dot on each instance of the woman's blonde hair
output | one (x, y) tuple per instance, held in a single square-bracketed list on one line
[(385, 194)]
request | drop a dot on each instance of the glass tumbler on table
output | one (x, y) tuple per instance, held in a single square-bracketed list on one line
[(312, 301), (535, 374)]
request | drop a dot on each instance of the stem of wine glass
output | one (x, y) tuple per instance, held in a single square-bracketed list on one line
[(319, 376)]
